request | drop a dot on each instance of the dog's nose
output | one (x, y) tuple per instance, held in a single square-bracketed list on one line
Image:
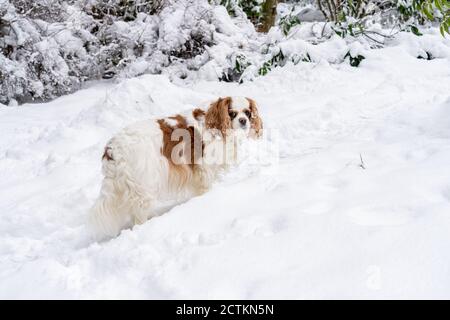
[(243, 121)]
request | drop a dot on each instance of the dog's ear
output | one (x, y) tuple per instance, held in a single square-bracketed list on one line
[(198, 114), (255, 120), (217, 116)]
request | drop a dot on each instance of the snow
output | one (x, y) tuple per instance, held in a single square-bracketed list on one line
[(358, 205)]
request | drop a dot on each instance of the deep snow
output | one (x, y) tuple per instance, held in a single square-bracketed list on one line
[(316, 225)]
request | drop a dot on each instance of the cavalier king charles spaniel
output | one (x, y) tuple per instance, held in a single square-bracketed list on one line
[(152, 165)]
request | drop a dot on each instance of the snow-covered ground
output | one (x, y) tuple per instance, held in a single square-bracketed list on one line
[(358, 205)]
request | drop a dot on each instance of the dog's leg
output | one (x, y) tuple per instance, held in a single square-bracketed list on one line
[(141, 209), (204, 176), (106, 217), (109, 215)]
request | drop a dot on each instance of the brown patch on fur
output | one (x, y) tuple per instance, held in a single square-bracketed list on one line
[(179, 173), (217, 115), (198, 114), (107, 154), (255, 120), (187, 147)]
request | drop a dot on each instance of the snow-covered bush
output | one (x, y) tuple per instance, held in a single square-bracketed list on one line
[(288, 21), (128, 10), (436, 9), (40, 57), (49, 47), (252, 8), (403, 14)]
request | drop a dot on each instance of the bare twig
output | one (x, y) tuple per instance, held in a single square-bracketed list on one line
[(362, 165)]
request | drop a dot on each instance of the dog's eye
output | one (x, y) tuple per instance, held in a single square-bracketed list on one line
[(248, 113), (232, 114)]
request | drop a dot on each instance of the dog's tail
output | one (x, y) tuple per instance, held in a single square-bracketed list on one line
[(105, 218)]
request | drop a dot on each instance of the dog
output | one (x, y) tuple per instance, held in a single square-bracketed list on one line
[(154, 164)]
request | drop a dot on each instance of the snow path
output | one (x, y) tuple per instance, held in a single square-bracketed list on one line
[(320, 227)]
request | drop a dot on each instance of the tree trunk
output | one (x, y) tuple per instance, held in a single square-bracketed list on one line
[(269, 12)]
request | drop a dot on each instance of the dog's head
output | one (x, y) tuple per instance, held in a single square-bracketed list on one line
[(234, 113)]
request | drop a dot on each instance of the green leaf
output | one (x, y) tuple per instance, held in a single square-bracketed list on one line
[(438, 5), (350, 29), (416, 31), (425, 10), (447, 27), (354, 61)]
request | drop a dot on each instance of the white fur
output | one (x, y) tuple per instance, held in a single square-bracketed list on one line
[(240, 102)]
